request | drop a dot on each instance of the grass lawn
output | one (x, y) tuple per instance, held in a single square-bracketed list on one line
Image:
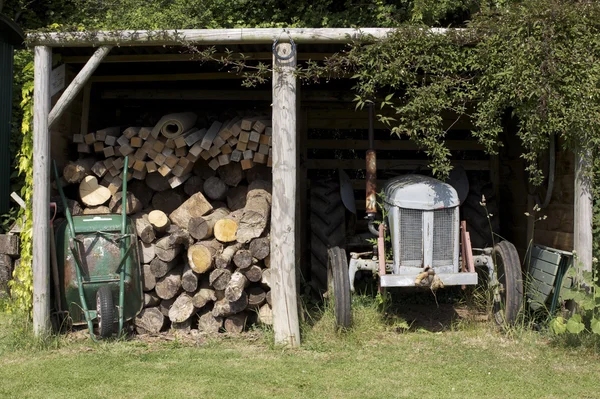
[(374, 360)]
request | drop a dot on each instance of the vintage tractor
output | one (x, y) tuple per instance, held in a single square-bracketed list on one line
[(430, 246)]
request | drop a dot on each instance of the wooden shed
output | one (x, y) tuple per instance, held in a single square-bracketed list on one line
[(118, 77)]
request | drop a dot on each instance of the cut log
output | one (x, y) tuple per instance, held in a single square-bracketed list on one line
[(259, 172), (225, 230), (182, 309), (195, 206), (219, 278), (133, 204), (99, 169), (160, 268), (167, 201), (243, 259), (265, 315), (209, 324), (168, 286), (225, 308), (148, 278), (159, 220), (74, 172), (256, 212), (151, 299), (203, 296), (165, 250), (96, 210), (202, 169), (165, 305), (256, 296), (74, 206), (157, 182), (215, 188), (143, 228), (201, 255), (266, 278), (236, 286), (142, 192), (260, 247), (223, 259), (193, 185), (268, 298), (146, 252), (91, 193), (202, 227), (253, 273), (150, 320), (189, 279), (236, 323), (236, 197), (183, 327), (267, 261)]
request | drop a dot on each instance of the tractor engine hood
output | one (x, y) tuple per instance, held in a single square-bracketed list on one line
[(419, 192)]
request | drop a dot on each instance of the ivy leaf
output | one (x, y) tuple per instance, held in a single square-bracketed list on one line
[(574, 325), (558, 326), (595, 326)]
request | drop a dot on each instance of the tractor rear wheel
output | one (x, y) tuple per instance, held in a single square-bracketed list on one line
[(327, 228), (508, 292), (105, 309), (339, 286)]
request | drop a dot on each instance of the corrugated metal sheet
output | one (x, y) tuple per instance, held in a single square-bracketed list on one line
[(6, 76)]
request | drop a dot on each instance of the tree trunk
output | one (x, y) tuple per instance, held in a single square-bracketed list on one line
[(168, 286), (223, 260), (235, 287), (150, 320), (182, 309), (256, 212), (201, 255)]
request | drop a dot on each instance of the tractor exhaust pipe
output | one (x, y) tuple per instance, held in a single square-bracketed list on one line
[(371, 157)]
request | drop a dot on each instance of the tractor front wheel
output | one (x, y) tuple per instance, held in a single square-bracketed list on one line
[(508, 291), (105, 309), (339, 286)]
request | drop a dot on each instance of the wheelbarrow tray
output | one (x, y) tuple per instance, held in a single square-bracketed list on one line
[(100, 258)]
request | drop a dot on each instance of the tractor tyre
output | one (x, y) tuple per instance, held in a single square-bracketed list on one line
[(105, 309), (327, 228), (339, 286), (508, 293)]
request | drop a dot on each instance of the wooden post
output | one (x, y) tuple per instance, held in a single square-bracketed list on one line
[(283, 213), (77, 84), (41, 191), (582, 238)]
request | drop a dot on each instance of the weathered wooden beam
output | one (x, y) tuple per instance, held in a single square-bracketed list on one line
[(41, 191), (584, 202), (172, 77), (77, 84), (129, 58), (208, 36), (283, 248), (398, 164)]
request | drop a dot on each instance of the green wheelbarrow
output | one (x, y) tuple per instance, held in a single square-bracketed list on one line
[(98, 265)]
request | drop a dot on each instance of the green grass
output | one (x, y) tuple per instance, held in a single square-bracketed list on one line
[(376, 359)]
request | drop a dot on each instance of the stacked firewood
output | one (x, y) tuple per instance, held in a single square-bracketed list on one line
[(202, 227)]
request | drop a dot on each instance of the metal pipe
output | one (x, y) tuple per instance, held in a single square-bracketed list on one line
[(371, 158)]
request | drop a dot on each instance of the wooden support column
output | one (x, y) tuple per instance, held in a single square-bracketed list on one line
[(41, 191), (283, 214), (77, 84), (582, 238)]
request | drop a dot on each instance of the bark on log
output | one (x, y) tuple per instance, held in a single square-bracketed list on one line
[(224, 259), (202, 227), (201, 255), (259, 172), (265, 315), (225, 308), (256, 212), (160, 268), (256, 296), (165, 305), (236, 286), (148, 278), (189, 279), (74, 206), (235, 324), (165, 250), (203, 296), (144, 228), (253, 273), (215, 188), (133, 204), (157, 182), (182, 309), (168, 286), (91, 193), (260, 247), (146, 252), (184, 327), (231, 174), (150, 320), (151, 299), (74, 172), (193, 185), (243, 258), (167, 201), (159, 220), (209, 324), (219, 278), (195, 206), (179, 237), (236, 198), (96, 210)]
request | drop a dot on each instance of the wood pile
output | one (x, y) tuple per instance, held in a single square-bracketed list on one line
[(200, 202)]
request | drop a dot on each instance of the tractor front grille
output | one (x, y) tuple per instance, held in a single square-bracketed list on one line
[(443, 236), (411, 237)]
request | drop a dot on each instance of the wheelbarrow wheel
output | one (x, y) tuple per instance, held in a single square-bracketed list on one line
[(508, 293), (106, 311), (339, 286)]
